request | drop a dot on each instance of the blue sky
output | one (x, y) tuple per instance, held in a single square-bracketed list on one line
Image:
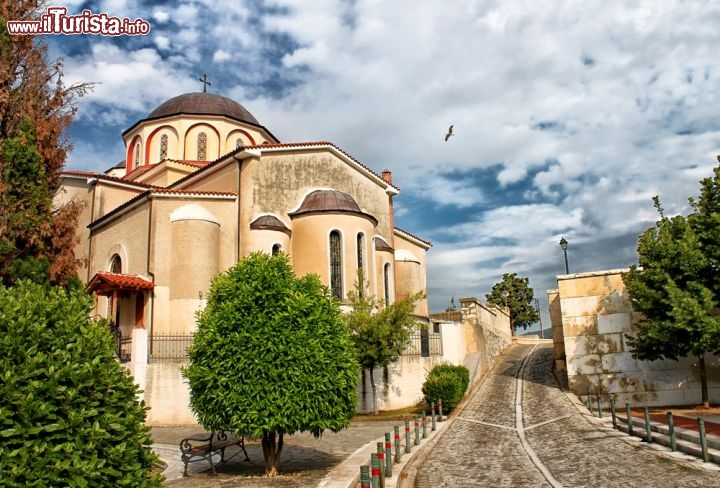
[(568, 116)]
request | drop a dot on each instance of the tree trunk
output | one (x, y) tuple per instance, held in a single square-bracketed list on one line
[(703, 380), (272, 444), (374, 392)]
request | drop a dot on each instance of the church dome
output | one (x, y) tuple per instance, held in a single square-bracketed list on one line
[(203, 104), (324, 201)]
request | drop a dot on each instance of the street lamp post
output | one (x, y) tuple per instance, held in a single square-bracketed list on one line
[(563, 246), (505, 295)]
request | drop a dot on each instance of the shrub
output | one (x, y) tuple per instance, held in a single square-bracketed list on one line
[(446, 382), (68, 414), (271, 356)]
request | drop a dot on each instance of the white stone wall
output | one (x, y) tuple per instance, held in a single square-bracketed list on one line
[(596, 320)]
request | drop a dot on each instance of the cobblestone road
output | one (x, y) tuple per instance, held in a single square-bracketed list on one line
[(483, 447)]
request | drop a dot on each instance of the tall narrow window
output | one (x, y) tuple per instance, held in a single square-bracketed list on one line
[(163, 147), (360, 243), (276, 249), (336, 278), (136, 158), (360, 247), (386, 279), (202, 146), (116, 264)]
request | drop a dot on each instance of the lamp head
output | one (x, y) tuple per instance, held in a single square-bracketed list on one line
[(563, 244)]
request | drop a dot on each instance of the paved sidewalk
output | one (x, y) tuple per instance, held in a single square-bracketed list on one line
[(557, 443), (305, 460)]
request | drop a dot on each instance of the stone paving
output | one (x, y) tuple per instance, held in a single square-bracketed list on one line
[(482, 448), (304, 462)]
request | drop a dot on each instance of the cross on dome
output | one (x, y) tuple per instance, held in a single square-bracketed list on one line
[(205, 82)]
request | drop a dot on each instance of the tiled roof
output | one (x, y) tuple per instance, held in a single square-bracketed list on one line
[(325, 200), (427, 243), (381, 245), (322, 201), (103, 176), (137, 172), (108, 281), (203, 104), (162, 191), (269, 222)]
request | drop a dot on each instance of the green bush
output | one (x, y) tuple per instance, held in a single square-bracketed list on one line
[(446, 382), (68, 410), (271, 356)]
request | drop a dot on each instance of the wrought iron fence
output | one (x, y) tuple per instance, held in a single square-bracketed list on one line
[(125, 349), (425, 344), (169, 347), (123, 344)]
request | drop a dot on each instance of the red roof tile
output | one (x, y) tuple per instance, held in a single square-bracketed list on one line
[(119, 281)]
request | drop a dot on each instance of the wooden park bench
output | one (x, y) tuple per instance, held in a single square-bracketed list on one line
[(195, 449)]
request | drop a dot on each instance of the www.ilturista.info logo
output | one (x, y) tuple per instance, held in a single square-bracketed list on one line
[(57, 21)]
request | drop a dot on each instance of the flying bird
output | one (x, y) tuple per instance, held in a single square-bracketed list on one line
[(449, 133)]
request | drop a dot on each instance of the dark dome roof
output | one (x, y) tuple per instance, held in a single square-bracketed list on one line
[(324, 200), (269, 222), (321, 201), (203, 104)]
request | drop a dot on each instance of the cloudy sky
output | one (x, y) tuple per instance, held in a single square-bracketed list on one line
[(568, 116)]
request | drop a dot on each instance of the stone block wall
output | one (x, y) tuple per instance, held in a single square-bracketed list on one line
[(596, 317), (487, 334)]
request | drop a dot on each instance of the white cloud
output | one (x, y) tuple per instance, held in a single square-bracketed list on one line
[(589, 108)]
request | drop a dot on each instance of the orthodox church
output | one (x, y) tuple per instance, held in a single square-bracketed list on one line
[(202, 185)]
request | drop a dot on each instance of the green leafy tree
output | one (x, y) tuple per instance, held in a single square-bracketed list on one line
[(380, 334), (68, 409), (674, 292), (515, 293), (28, 203), (271, 356)]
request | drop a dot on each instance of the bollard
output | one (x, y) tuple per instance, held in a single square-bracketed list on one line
[(648, 431), (629, 418), (388, 456), (612, 410), (432, 415), (381, 462), (407, 437), (703, 440), (440, 419), (417, 430), (671, 428), (599, 399), (375, 463), (364, 476), (424, 422), (398, 454)]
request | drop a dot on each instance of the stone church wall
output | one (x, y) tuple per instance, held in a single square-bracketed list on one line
[(596, 317)]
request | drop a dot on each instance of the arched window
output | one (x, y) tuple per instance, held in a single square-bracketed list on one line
[(276, 249), (163, 147), (386, 279), (202, 146), (116, 264), (360, 248), (336, 278), (136, 158), (360, 243)]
